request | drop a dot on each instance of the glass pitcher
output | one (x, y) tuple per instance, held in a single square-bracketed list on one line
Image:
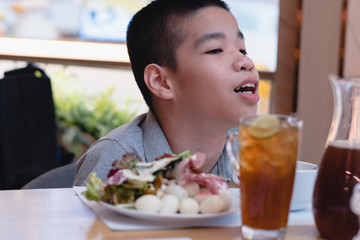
[(339, 169)]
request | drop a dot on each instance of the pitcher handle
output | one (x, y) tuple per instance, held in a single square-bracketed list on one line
[(233, 152)]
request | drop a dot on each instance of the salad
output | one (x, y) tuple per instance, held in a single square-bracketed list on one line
[(170, 184)]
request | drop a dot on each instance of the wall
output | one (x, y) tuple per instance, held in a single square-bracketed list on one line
[(321, 53)]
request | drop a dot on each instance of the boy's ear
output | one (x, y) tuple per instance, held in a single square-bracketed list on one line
[(157, 80)]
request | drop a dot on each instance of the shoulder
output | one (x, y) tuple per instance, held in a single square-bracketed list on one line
[(126, 137), (98, 159), (130, 137)]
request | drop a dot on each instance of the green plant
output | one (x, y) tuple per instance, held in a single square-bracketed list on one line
[(84, 119)]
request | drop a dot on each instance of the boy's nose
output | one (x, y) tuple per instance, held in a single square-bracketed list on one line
[(243, 63)]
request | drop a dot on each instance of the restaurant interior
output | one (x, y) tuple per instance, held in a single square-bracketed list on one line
[(313, 40)]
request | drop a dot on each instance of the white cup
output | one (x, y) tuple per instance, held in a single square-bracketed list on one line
[(304, 182)]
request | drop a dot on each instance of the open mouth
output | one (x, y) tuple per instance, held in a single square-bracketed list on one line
[(248, 88)]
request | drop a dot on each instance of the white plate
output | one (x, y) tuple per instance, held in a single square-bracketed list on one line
[(133, 213)]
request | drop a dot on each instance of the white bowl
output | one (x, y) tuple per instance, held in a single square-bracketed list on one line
[(304, 182)]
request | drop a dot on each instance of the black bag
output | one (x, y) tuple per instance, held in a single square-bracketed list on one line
[(28, 145)]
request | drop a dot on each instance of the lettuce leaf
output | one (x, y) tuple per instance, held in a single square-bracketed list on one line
[(93, 187)]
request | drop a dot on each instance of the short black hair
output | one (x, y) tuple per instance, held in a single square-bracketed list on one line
[(155, 32)]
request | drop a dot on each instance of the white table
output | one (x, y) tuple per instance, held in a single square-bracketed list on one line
[(59, 214)]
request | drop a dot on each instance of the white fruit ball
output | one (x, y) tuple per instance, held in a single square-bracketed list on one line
[(212, 204), (189, 205), (201, 196), (148, 203), (192, 188), (226, 198), (177, 190), (169, 204)]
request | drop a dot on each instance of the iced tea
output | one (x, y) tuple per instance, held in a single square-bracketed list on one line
[(267, 170), (338, 173)]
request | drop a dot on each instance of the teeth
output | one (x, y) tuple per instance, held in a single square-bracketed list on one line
[(246, 88), (248, 85)]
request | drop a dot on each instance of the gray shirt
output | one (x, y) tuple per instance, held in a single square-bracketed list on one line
[(143, 136)]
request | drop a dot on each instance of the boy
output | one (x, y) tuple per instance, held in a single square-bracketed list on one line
[(190, 63)]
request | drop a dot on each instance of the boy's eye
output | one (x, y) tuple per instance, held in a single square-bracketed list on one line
[(243, 51), (214, 51)]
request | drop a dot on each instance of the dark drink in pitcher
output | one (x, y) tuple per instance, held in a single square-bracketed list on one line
[(338, 173)]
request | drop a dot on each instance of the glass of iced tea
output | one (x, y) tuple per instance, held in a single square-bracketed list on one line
[(264, 154)]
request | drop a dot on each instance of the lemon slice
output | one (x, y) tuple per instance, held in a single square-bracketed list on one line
[(264, 126)]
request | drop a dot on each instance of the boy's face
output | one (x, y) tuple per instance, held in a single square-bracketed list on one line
[(212, 68)]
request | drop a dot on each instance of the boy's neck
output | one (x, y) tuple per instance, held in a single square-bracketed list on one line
[(196, 136)]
